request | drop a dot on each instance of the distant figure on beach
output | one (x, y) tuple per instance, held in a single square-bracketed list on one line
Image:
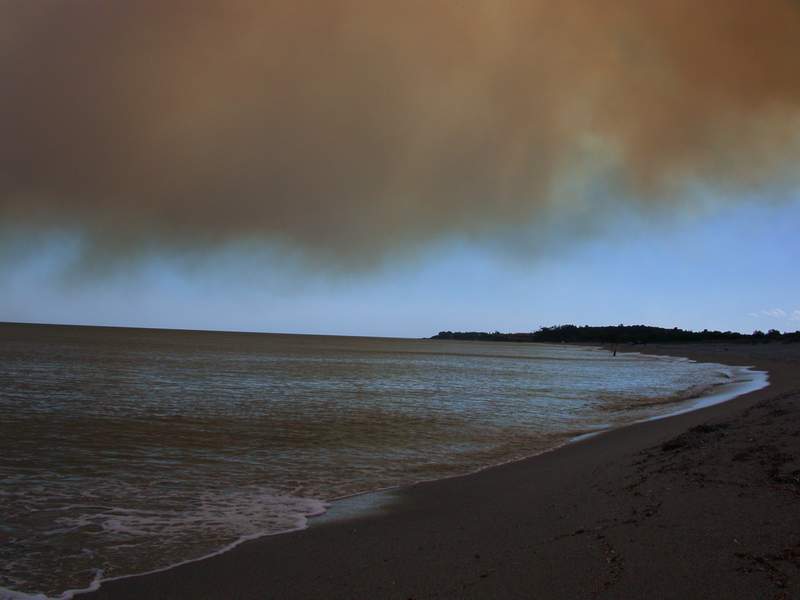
[(615, 350)]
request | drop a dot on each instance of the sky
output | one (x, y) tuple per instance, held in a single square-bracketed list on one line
[(398, 169), (731, 269)]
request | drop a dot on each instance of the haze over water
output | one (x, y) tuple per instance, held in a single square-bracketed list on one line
[(123, 451)]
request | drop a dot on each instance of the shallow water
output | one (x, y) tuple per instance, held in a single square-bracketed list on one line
[(124, 451)]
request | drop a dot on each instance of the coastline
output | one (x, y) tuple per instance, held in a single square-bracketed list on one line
[(422, 538)]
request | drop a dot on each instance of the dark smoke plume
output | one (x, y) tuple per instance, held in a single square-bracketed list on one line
[(352, 128)]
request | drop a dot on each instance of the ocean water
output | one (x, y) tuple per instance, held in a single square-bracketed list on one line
[(124, 451)]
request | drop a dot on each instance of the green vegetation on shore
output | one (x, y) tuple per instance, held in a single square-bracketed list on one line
[(620, 334)]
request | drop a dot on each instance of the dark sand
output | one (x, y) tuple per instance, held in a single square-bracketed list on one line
[(700, 505)]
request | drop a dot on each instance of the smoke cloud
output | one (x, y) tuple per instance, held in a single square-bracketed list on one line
[(352, 128)]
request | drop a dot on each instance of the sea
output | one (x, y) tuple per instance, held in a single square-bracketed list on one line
[(124, 451)]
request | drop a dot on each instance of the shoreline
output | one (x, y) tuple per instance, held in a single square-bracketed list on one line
[(362, 503), (380, 500), (277, 566)]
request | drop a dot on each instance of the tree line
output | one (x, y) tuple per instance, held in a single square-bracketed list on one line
[(620, 334)]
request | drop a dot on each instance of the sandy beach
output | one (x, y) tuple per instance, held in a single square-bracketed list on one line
[(704, 504)]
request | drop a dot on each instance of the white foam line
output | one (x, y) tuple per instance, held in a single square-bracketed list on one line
[(752, 381), (755, 380), (7, 594)]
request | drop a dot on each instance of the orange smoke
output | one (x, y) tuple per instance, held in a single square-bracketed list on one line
[(348, 127)]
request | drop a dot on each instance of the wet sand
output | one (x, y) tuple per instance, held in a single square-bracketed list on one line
[(704, 504)]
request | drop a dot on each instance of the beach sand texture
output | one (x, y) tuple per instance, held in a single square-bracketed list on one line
[(704, 504)]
